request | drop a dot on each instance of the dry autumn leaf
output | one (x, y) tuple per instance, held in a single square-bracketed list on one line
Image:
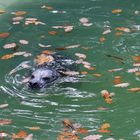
[(104, 128), (82, 130), (48, 52), (5, 122), (97, 74), (83, 72), (118, 33), (53, 32), (117, 11), (34, 128), (124, 29), (7, 56), (134, 89), (102, 39), (2, 11), (19, 13), (136, 58), (4, 35), (20, 135), (117, 80)]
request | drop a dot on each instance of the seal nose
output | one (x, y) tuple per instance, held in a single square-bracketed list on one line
[(33, 84)]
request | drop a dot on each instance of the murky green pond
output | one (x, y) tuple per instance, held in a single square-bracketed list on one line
[(78, 99)]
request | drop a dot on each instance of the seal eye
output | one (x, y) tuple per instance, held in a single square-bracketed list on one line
[(32, 77), (46, 78)]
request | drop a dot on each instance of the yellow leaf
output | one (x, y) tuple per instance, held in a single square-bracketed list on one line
[(34, 128), (2, 11)]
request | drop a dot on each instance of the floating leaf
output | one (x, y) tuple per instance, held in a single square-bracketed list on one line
[(4, 106), (3, 134), (34, 128), (137, 73), (5, 122), (127, 30), (82, 131), (4, 35), (60, 49), (2, 11), (104, 128), (69, 73), (68, 29), (133, 70), (80, 55), (23, 42), (134, 89), (106, 32), (102, 39), (53, 33), (122, 85), (73, 46), (44, 46), (20, 135), (116, 11), (11, 45), (7, 56), (19, 13), (93, 137), (117, 80), (84, 72), (114, 70), (17, 19), (136, 64), (84, 20), (118, 33), (97, 74), (136, 58), (29, 137), (48, 52), (41, 59)]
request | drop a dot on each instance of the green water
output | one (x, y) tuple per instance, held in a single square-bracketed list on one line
[(77, 100)]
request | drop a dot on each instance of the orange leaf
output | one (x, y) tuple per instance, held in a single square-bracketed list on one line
[(118, 33), (5, 122), (82, 131), (117, 80), (7, 56), (60, 49), (102, 39), (123, 29), (84, 72), (49, 7), (116, 11), (136, 58), (97, 74), (53, 33), (20, 135), (137, 73), (104, 131), (4, 35), (20, 13), (48, 52), (134, 89)]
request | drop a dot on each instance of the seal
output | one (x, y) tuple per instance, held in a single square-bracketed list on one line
[(49, 68)]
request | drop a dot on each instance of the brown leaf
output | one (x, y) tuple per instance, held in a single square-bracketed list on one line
[(53, 32), (117, 80), (84, 72), (20, 13), (102, 39), (134, 89), (48, 52), (124, 29), (20, 135), (4, 35), (2, 11), (60, 49), (7, 56), (97, 74), (5, 122), (82, 130), (136, 58), (118, 33), (116, 11)]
